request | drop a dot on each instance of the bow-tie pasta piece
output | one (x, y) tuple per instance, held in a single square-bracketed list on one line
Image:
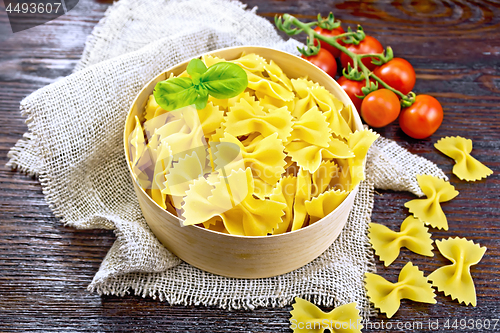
[(429, 209), (323, 176), (268, 87), (255, 104), (162, 166), (227, 154), (184, 133), (387, 296), (466, 167), (413, 235), (231, 199), (197, 208), (311, 94), (342, 179), (305, 100), (210, 118), (251, 62), (311, 128), (455, 279), (324, 204), (265, 157), (284, 192), (137, 143), (140, 159), (308, 318), (182, 174), (218, 135), (301, 106), (310, 156), (302, 195), (160, 127), (215, 224), (153, 109), (359, 142), (225, 104), (332, 108), (302, 86), (244, 119), (276, 74), (346, 113), (210, 60), (269, 104), (251, 140)]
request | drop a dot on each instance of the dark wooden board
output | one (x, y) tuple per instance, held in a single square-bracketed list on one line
[(45, 267)]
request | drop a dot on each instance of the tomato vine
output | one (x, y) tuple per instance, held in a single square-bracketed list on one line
[(292, 26)]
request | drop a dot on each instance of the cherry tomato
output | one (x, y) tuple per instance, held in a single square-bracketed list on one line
[(368, 45), (352, 88), (330, 33), (325, 61), (422, 118), (380, 107), (398, 73)]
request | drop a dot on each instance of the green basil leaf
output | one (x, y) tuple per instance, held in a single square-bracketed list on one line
[(225, 80), (201, 89), (196, 66), (175, 93), (201, 102), (196, 78)]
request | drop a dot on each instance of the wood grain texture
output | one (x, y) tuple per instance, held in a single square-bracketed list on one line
[(46, 267)]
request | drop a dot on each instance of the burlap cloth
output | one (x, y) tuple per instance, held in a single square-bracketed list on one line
[(74, 146)]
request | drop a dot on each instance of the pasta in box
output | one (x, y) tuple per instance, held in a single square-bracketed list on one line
[(275, 160)]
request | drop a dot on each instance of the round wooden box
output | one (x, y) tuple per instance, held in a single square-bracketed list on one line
[(240, 256)]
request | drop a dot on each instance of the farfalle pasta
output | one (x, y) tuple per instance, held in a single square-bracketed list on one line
[(162, 167), (308, 318), (324, 204), (264, 155), (284, 192), (275, 158), (413, 235), (309, 156), (244, 119), (359, 143), (387, 296), (466, 167), (455, 279), (429, 209), (241, 213), (323, 176)]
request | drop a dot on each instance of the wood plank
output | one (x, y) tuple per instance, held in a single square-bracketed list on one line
[(45, 267)]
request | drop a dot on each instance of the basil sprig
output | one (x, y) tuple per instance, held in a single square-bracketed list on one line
[(221, 80)]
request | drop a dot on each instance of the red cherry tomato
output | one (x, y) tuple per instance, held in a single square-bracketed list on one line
[(352, 88), (330, 33), (367, 45), (422, 118), (325, 61), (397, 73), (380, 107)]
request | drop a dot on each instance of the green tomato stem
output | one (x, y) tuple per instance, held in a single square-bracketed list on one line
[(366, 74), (386, 86)]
